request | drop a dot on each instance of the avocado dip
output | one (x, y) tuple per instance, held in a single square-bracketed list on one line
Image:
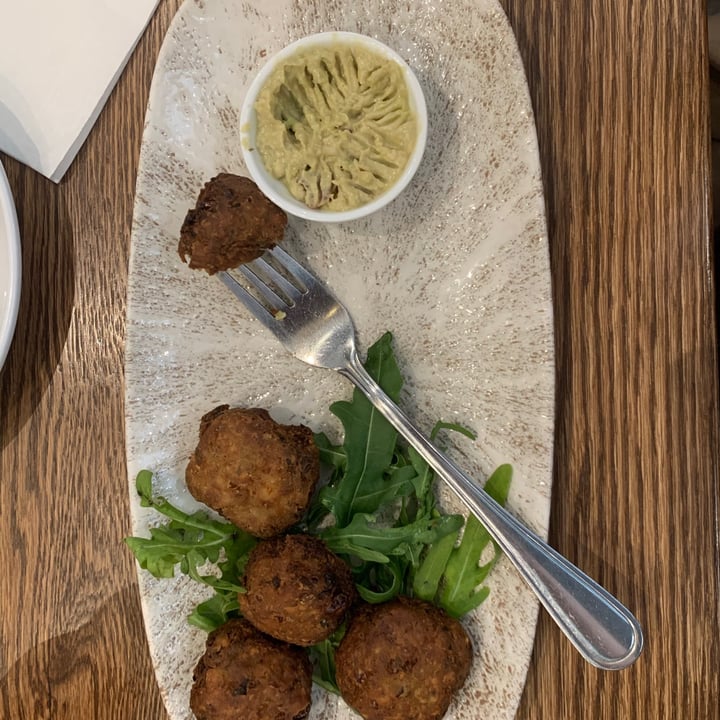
[(334, 124)]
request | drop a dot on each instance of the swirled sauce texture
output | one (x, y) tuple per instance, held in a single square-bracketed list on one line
[(334, 124)]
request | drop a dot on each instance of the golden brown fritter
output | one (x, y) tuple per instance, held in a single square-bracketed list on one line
[(245, 674), (257, 473), (402, 660), (297, 589), (232, 223)]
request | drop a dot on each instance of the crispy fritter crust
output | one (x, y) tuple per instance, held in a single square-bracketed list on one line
[(257, 473), (245, 674), (232, 223), (402, 660), (296, 589)]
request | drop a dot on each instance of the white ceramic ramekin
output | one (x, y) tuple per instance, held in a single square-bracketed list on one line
[(274, 188)]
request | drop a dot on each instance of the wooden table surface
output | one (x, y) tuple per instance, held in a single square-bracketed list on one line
[(620, 95)]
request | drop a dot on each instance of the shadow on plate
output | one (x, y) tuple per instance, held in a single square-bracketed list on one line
[(46, 301)]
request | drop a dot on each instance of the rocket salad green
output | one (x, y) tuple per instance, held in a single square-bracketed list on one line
[(376, 476)]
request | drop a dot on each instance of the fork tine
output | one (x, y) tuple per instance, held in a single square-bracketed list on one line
[(293, 266), (265, 292), (256, 308), (261, 267)]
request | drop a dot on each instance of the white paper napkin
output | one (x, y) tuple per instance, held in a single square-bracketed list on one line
[(59, 61)]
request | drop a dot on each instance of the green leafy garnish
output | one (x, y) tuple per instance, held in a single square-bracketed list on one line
[(428, 576), (191, 541), (451, 575), (367, 540), (369, 445), (375, 476), (215, 611), (322, 656)]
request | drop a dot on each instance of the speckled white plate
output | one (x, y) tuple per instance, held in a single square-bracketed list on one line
[(456, 267)]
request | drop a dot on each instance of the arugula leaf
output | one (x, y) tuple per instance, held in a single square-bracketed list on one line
[(424, 479), (364, 539), (377, 583), (459, 591), (216, 611), (371, 471), (397, 482), (190, 541), (331, 455), (428, 576), (322, 656), (369, 443)]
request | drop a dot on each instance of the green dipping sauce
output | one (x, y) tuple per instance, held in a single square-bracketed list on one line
[(334, 124)]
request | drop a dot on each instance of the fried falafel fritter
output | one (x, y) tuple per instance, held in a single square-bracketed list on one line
[(257, 473), (245, 674), (402, 660), (232, 223), (297, 590)]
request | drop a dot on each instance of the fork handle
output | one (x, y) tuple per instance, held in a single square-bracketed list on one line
[(603, 630)]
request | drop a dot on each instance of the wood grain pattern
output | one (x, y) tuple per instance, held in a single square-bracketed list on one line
[(620, 94)]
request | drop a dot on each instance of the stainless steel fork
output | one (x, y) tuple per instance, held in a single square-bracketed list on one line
[(317, 329)]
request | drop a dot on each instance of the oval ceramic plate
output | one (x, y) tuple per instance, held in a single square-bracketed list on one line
[(10, 260), (456, 267)]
